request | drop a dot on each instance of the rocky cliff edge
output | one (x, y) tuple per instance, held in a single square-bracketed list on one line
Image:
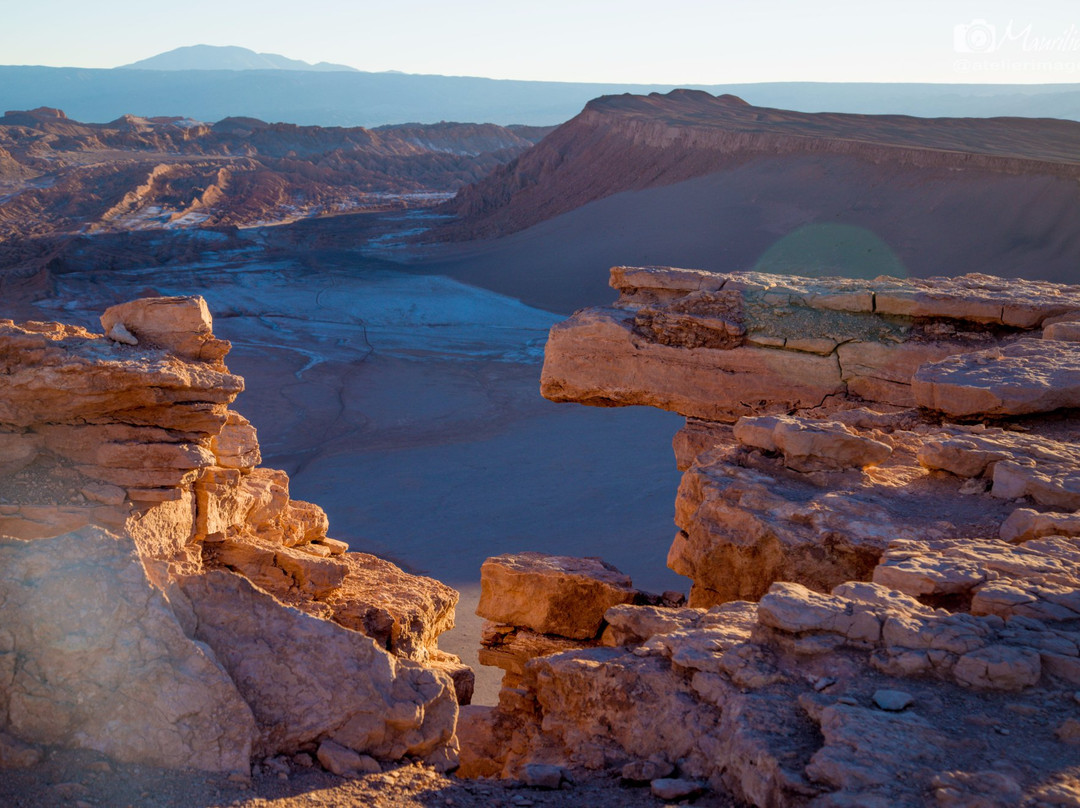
[(164, 599), (878, 514)]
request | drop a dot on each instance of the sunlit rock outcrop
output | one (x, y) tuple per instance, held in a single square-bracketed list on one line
[(164, 599), (878, 515), (843, 396)]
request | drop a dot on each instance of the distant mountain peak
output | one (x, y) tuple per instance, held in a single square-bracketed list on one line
[(227, 57)]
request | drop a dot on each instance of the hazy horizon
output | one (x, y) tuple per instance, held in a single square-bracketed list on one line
[(951, 42)]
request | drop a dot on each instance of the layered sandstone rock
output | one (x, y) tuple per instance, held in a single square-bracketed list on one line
[(217, 619), (821, 466), (789, 343), (551, 594), (916, 635)]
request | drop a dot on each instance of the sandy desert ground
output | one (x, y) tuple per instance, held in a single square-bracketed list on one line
[(77, 779)]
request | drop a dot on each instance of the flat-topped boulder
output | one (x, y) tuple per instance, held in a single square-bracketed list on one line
[(1024, 377), (180, 325), (1065, 331), (1025, 524), (551, 594)]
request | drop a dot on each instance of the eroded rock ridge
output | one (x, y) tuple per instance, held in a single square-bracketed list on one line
[(878, 517)]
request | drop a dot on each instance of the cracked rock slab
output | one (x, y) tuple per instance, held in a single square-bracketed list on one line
[(1024, 377), (596, 357)]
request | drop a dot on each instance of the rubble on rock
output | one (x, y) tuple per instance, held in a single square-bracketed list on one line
[(877, 514), (165, 600)]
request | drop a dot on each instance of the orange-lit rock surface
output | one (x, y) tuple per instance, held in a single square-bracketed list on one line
[(877, 515), (164, 599)]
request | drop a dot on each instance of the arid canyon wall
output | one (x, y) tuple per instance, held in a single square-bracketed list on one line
[(60, 177), (631, 142)]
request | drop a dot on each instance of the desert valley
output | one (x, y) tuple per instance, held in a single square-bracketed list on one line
[(299, 504)]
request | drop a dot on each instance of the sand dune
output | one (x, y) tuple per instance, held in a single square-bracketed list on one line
[(799, 214), (632, 142)]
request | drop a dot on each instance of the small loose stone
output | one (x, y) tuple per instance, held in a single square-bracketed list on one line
[(542, 775), (893, 700), (675, 789)]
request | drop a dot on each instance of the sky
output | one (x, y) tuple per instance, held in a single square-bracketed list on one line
[(623, 41)]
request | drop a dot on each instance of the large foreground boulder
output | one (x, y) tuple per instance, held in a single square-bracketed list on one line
[(309, 680), (91, 656)]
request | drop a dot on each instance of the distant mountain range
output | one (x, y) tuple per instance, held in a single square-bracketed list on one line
[(59, 176), (227, 57), (211, 83)]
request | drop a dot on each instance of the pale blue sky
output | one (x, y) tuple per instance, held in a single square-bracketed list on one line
[(659, 41)]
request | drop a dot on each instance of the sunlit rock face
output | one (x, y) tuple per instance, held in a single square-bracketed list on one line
[(818, 410), (877, 517), (163, 594)]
